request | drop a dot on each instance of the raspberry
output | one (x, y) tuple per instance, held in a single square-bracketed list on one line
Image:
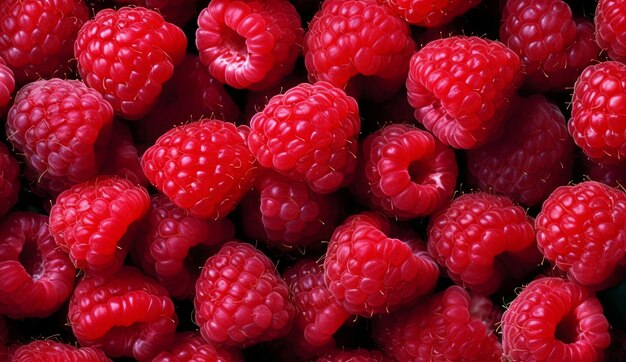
[(7, 86), (256, 101), (178, 12), (318, 315), (96, 221), (124, 161), (598, 123), (191, 347), (127, 55), (308, 134), (610, 27), (532, 157), (555, 320), (37, 36), (608, 174), (582, 230), (476, 238), (125, 314), (250, 44), (37, 277), (9, 180), (369, 272), (204, 167), (169, 242), (552, 46), (356, 355), (49, 350), (452, 325), (348, 39), (461, 87), (429, 13), (240, 298), (405, 172), (63, 129)]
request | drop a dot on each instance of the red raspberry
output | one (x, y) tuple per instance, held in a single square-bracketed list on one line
[(256, 101), (608, 174), (38, 36), (204, 167), (169, 243), (249, 44), (124, 160), (125, 314), (555, 320), (429, 13), (178, 12), (9, 180), (37, 277), (356, 355), (582, 230), (96, 221), (461, 87), (7, 86), (191, 347), (63, 128), (478, 237), (369, 272), (452, 325), (49, 350), (308, 134), (318, 315), (405, 172), (598, 123), (240, 298), (127, 55), (552, 46), (358, 38), (610, 27), (532, 157)]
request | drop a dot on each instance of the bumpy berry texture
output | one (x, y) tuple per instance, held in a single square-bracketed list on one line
[(191, 347), (124, 314), (9, 180), (369, 272), (127, 55), (309, 133), (555, 320), (582, 230), (452, 325), (240, 298), (477, 239), (7, 86), (250, 44), (37, 36), (51, 351), (204, 167), (429, 13), (96, 222), (346, 39), (553, 47), (37, 277), (169, 242), (610, 28), (461, 87), (608, 174), (62, 128), (178, 12), (405, 172), (533, 156), (356, 355), (598, 123)]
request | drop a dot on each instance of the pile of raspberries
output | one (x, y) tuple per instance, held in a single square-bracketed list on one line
[(312, 180)]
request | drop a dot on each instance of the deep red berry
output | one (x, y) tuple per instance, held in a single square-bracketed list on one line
[(37, 36), (9, 180), (7, 86), (429, 13), (461, 87), (555, 320), (37, 277), (610, 25), (250, 44), (452, 325), (356, 355), (240, 298), (123, 156), (191, 347), (96, 222), (51, 351), (582, 230), (369, 272), (348, 39), (63, 129), (553, 47), (608, 174), (127, 55), (168, 247), (125, 314), (533, 156), (204, 167), (405, 172), (178, 12), (308, 134), (257, 100)]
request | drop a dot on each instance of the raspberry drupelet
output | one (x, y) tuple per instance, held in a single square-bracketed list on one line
[(178, 12), (7, 86), (429, 13), (610, 26), (52, 351), (9, 180), (354, 355), (191, 347)]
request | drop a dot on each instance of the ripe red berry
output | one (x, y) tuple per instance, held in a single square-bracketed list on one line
[(461, 87), (123, 160), (606, 173), (191, 347), (50, 350), (9, 180), (178, 12), (7, 86), (429, 13), (356, 355), (308, 134), (127, 55), (204, 167), (610, 26), (555, 320), (250, 44)]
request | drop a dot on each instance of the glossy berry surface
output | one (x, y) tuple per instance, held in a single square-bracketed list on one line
[(610, 26), (429, 13), (49, 350)]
